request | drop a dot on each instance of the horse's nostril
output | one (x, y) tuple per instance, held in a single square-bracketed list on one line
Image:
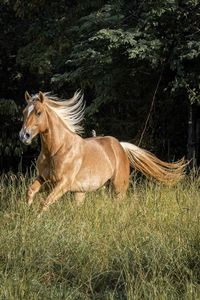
[(27, 135)]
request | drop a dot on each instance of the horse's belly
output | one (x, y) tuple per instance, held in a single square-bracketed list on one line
[(89, 182)]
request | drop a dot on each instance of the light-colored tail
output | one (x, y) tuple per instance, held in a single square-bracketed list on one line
[(151, 166)]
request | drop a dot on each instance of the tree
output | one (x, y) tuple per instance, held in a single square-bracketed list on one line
[(137, 62)]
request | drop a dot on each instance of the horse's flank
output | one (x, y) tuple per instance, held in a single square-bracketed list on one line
[(75, 164)]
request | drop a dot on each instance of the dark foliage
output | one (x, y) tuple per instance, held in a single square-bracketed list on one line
[(136, 61)]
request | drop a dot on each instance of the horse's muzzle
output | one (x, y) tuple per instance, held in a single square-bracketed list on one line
[(25, 136)]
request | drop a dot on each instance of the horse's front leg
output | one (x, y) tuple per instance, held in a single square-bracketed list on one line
[(33, 189), (60, 188)]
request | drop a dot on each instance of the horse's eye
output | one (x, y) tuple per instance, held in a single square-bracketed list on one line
[(38, 113)]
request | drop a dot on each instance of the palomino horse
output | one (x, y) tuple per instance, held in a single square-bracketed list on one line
[(76, 164)]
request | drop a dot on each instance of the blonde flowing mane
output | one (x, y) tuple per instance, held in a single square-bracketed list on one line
[(70, 111)]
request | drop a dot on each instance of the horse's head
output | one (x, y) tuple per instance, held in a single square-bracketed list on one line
[(34, 118)]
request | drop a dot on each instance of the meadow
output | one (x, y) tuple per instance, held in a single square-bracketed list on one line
[(144, 247)]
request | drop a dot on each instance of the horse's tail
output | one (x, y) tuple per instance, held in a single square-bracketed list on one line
[(151, 166)]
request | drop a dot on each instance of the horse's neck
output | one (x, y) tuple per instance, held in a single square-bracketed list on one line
[(56, 135)]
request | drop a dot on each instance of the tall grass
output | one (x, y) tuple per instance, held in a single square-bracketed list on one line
[(144, 247)]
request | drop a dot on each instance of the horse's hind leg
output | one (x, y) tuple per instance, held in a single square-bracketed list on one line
[(121, 178), (120, 184), (120, 188), (79, 198)]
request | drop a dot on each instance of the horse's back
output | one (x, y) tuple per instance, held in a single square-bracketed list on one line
[(108, 144)]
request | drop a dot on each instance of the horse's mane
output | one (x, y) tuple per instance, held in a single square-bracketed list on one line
[(70, 111)]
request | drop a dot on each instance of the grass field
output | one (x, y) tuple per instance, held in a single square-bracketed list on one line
[(145, 247)]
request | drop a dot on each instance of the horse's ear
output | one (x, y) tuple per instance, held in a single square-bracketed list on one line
[(27, 96), (41, 97)]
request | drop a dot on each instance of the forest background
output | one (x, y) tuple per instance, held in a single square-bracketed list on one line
[(138, 63)]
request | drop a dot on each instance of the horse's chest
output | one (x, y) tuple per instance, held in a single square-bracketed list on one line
[(48, 169)]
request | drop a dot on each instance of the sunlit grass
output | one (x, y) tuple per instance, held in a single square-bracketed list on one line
[(144, 247)]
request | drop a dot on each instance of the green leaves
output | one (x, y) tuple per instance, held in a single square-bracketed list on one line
[(10, 118), (194, 94), (115, 51)]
